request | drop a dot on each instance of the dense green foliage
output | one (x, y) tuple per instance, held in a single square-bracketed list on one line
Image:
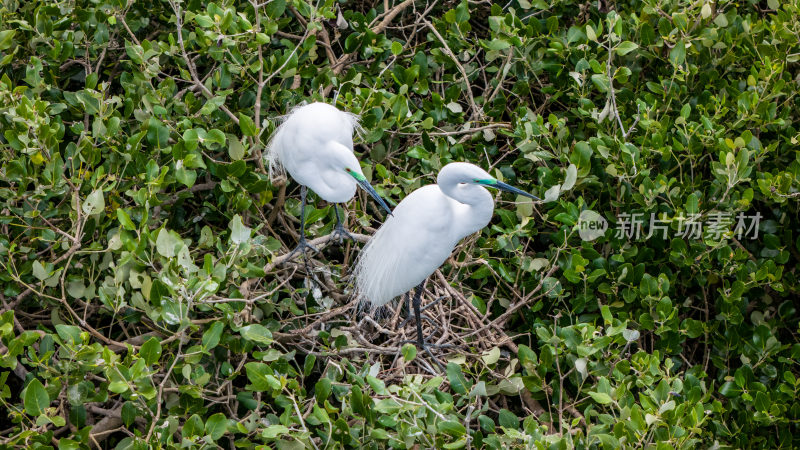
[(144, 303)]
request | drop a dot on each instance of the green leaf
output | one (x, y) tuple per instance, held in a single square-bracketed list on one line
[(239, 232), (167, 243), (185, 261), (570, 178), (69, 333), (203, 20), (6, 38), (455, 107), (247, 126), (491, 356), (322, 390), (397, 48), (498, 44), (216, 426), (36, 399), (68, 444), (157, 133), (692, 204), (125, 220), (730, 390), (94, 203), (456, 379), (191, 137), (151, 351), (193, 427), (409, 352), (601, 81), (236, 150), (705, 11), (186, 176), (129, 413), (601, 398), (686, 110), (591, 34), (134, 52), (605, 311), (118, 387), (273, 431), (212, 335), (551, 194), (626, 47), (256, 333), (630, 335), (507, 419), (39, 271), (257, 374), (308, 364), (451, 427), (678, 53), (214, 137)]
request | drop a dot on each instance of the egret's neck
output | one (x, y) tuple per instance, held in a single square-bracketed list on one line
[(475, 204)]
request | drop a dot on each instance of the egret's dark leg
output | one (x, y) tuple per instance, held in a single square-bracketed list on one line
[(302, 243), (418, 313), (339, 232), (422, 310)]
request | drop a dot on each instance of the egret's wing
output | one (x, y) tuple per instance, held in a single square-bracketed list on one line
[(413, 242)]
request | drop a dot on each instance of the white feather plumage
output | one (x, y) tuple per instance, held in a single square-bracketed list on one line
[(421, 233), (302, 141)]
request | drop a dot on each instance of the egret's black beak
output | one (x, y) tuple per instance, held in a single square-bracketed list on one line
[(372, 192), (508, 188)]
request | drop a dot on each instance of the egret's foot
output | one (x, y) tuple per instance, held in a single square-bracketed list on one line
[(425, 317), (433, 303), (301, 248), (434, 358), (339, 234)]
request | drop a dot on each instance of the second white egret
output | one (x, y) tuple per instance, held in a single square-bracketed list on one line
[(315, 145), (422, 232)]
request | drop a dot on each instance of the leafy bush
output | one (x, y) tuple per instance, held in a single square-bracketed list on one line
[(148, 299)]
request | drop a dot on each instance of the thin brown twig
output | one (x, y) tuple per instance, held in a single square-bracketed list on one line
[(477, 112)]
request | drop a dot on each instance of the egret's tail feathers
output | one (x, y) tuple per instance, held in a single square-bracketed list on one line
[(365, 308), (375, 271)]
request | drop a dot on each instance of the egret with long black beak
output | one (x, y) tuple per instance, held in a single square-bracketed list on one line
[(422, 233), (315, 145)]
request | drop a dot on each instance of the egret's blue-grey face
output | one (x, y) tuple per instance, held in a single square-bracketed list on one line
[(362, 181), (493, 183)]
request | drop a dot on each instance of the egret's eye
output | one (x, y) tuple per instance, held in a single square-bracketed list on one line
[(347, 169)]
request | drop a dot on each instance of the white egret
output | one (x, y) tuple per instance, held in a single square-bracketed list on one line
[(422, 232), (315, 145)]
